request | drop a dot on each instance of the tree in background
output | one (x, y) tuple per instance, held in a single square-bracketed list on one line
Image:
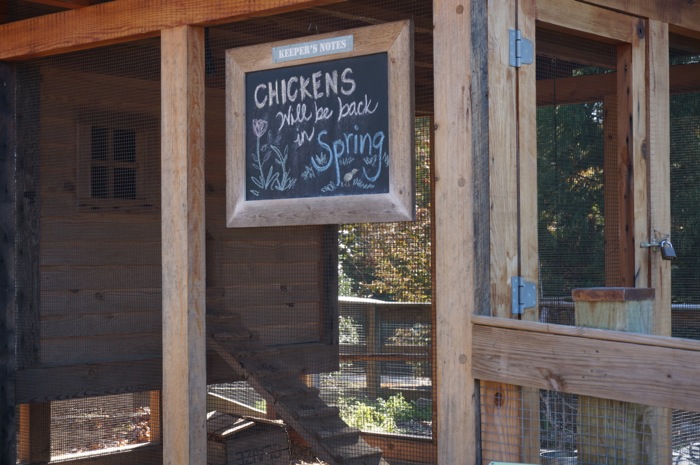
[(392, 261)]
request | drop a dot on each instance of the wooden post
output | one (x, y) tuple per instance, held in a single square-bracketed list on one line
[(459, 205), (183, 236), (658, 92), (373, 347), (610, 431), (8, 366)]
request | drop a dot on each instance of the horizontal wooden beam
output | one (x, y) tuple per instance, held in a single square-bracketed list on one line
[(593, 87), (607, 364), (69, 4), (125, 20), (682, 13), (586, 20), (72, 382)]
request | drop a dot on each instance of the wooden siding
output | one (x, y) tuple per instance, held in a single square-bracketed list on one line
[(100, 267)]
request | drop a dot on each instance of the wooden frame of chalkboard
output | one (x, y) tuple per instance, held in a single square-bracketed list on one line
[(320, 130)]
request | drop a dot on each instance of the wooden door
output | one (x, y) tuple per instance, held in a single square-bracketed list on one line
[(590, 73)]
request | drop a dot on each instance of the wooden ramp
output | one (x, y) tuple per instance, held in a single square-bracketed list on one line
[(294, 402)]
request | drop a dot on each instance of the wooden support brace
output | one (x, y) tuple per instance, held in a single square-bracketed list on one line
[(183, 235)]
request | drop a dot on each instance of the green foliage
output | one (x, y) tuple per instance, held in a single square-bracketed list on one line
[(392, 261), (685, 197), (570, 197), (348, 330), (416, 335), (385, 415)]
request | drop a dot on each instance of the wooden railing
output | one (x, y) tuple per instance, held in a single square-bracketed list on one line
[(377, 318)]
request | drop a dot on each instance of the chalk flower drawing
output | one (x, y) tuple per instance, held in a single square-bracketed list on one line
[(269, 179)]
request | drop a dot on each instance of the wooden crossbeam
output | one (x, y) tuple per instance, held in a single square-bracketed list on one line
[(594, 362), (681, 13), (124, 20)]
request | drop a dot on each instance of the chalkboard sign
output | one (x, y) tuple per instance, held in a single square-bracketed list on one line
[(322, 138)]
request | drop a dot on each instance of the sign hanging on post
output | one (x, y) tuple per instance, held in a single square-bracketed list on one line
[(321, 131)]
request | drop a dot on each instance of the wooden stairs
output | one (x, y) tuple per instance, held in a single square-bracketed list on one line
[(295, 403)]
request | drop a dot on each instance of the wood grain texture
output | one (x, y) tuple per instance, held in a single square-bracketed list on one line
[(659, 140), (454, 228), (527, 96), (8, 231), (503, 159), (682, 13), (396, 40), (593, 362), (115, 22), (639, 155), (28, 280), (183, 239), (78, 381), (505, 227), (585, 20)]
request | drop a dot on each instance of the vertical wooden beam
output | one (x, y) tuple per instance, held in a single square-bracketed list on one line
[(8, 366), (503, 156), (455, 213), (183, 237), (500, 403), (527, 208), (611, 194), (613, 431), (659, 142), (632, 158)]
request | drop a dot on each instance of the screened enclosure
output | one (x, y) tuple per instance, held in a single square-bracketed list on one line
[(529, 314)]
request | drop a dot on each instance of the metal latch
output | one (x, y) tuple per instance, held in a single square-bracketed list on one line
[(523, 294), (521, 51)]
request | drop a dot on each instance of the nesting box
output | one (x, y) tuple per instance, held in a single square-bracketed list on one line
[(236, 440)]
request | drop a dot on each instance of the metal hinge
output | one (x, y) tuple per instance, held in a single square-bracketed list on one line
[(523, 294), (521, 51)]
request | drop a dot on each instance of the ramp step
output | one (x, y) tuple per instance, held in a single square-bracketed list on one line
[(316, 412)]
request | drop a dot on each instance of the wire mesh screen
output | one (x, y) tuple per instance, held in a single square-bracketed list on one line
[(341, 313), (89, 269), (576, 201), (685, 169), (526, 425)]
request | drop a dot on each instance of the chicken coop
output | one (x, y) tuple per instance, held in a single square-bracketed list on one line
[(350, 232)]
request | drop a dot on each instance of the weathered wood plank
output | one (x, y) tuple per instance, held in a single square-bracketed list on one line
[(72, 227), (34, 434), (586, 20), (102, 253), (595, 87), (677, 12), (8, 231), (115, 22), (265, 294), (54, 278), (658, 140), (497, 418), (454, 220), (77, 324), (140, 454), (256, 273), (77, 381), (411, 450), (628, 310), (183, 242), (528, 252), (658, 124), (280, 251), (598, 363), (27, 218), (67, 301), (99, 349)]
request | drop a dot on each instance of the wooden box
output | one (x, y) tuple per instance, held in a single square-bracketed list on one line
[(236, 440)]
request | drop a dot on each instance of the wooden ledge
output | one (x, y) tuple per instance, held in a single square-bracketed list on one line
[(613, 294)]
